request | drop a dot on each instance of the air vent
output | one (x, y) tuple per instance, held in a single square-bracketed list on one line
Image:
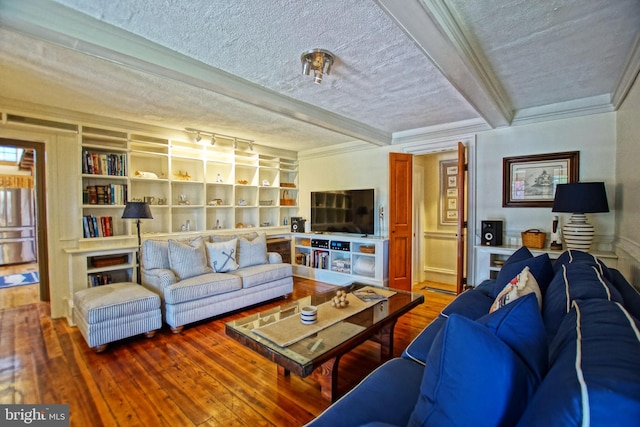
[(12, 118), (104, 132)]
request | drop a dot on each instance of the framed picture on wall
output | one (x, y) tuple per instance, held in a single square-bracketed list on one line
[(448, 192), (530, 181)]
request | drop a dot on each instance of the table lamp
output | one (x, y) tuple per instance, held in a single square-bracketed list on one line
[(579, 198), (137, 211)]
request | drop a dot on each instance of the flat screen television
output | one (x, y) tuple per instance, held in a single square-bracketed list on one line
[(344, 211)]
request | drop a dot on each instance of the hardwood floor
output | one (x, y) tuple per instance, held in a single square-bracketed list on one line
[(198, 378)]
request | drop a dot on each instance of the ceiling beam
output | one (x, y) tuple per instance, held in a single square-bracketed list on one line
[(436, 29), (54, 23)]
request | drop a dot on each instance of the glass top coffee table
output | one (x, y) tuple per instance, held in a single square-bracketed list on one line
[(315, 349)]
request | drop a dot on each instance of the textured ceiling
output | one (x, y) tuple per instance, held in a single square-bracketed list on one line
[(402, 68)]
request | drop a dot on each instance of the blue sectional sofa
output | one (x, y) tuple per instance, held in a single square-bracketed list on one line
[(570, 359)]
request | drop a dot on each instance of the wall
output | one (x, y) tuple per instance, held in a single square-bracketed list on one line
[(628, 186), (593, 136)]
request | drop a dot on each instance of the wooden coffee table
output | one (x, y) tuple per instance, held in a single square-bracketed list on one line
[(319, 354)]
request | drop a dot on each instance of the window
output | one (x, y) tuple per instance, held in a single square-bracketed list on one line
[(10, 154)]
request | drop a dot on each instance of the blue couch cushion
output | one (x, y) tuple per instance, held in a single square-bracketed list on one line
[(629, 294), (471, 304), (473, 377), (573, 281), (387, 396), (540, 267), (594, 377), (573, 256), (519, 325)]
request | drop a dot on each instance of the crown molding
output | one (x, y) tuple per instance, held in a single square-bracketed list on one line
[(562, 110), (628, 75), (418, 135)]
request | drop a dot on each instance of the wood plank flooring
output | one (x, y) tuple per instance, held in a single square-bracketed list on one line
[(198, 378)]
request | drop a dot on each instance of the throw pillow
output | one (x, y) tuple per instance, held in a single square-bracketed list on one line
[(252, 252), (472, 379), (188, 258), (520, 326), (540, 267), (524, 283), (222, 256)]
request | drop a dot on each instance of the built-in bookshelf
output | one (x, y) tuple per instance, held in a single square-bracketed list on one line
[(189, 186), (341, 259)]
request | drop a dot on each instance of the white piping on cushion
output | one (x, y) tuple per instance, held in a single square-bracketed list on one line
[(604, 285), (566, 287), (632, 323), (584, 393)]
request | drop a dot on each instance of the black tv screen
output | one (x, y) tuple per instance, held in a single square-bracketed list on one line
[(345, 211)]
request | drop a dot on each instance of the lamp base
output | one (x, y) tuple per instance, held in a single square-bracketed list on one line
[(578, 233)]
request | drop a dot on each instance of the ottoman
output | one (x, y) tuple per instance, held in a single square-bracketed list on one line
[(113, 312)]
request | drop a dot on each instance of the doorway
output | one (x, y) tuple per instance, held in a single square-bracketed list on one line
[(435, 245), (23, 212)]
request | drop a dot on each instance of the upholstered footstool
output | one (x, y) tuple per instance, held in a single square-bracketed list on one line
[(113, 312)]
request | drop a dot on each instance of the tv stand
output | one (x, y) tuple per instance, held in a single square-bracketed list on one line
[(341, 259)]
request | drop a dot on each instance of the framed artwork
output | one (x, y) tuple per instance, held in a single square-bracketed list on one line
[(530, 181), (449, 192)]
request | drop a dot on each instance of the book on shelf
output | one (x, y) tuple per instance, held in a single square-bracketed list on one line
[(94, 163), (99, 279), (93, 226), (110, 194)]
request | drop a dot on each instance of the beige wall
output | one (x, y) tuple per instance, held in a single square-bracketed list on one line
[(628, 186)]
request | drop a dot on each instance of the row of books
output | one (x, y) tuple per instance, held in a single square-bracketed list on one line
[(99, 279), (314, 259), (97, 226), (104, 163), (111, 194)]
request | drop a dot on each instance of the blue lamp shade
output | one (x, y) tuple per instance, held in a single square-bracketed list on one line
[(580, 198), (137, 210)]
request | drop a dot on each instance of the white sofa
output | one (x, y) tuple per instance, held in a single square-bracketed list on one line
[(205, 276)]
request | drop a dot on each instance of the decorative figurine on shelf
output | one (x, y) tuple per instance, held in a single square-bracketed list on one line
[(183, 176), (556, 242), (219, 178)]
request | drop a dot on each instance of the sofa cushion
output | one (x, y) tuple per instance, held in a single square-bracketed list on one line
[(524, 283), (519, 325), (386, 396), (572, 282), (472, 378), (188, 258), (201, 286), (572, 256), (155, 254), (252, 252), (540, 267), (594, 377), (471, 304), (222, 255), (629, 294), (263, 273)]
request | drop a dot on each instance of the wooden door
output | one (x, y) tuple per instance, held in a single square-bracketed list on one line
[(462, 221), (400, 220)]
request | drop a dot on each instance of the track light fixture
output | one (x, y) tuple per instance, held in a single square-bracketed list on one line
[(216, 137), (318, 60)]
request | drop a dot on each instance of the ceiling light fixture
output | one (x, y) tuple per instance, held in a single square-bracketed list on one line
[(318, 60), (216, 137)]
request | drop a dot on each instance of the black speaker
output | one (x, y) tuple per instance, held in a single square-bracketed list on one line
[(491, 233), (297, 224)]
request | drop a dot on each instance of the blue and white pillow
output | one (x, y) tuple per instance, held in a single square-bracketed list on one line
[(188, 258), (222, 255)]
